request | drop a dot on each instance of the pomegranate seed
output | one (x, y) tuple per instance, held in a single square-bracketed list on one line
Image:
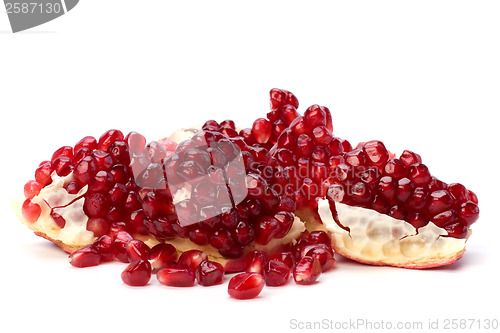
[(120, 245), (199, 235), (305, 146), (104, 246), (267, 228), (315, 116), (31, 189), (176, 276), (299, 126), (96, 205), (42, 174), (404, 189), (323, 253), (419, 174), (445, 218), (468, 213), (135, 141), (136, 250), (103, 160), (244, 233), (88, 142), (307, 270), (192, 259), (85, 257), (376, 153), (255, 261), (417, 220), (387, 188), (417, 199), (458, 192), (408, 158), (222, 239), (360, 193), (85, 170), (58, 219), (276, 273), (102, 182), (31, 211), (120, 154), (285, 257), (395, 168), (438, 202), (65, 151), (398, 212), (245, 285), (137, 273), (108, 138), (319, 237), (80, 154), (72, 187), (162, 255), (435, 185), (62, 166), (457, 230), (471, 196), (380, 205), (209, 273), (285, 221), (261, 130)]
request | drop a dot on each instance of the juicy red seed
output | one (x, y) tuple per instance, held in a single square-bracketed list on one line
[(285, 257), (118, 194), (245, 285), (88, 142), (319, 237), (285, 156), (266, 229), (244, 233), (408, 158), (288, 114), (103, 159), (285, 220), (104, 246), (102, 182), (192, 259), (471, 196), (256, 186), (42, 174), (380, 205), (261, 130), (458, 192), (201, 157), (137, 273), (85, 257), (135, 141), (120, 154), (85, 170), (228, 124), (438, 202), (395, 168), (315, 116), (163, 254), (376, 153), (120, 245), (417, 199), (305, 146), (419, 174), (96, 205), (398, 212), (31, 211), (62, 166), (80, 154), (276, 273), (356, 158), (58, 219), (457, 230), (360, 193), (278, 98), (255, 261), (132, 201), (307, 270), (336, 192), (299, 126), (222, 239), (176, 276), (72, 187), (370, 177), (199, 235), (417, 220), (335, 146), (445, 218), (65, 151), (321, 154), (137, 250), (468, 213), (98, 225), (323, 253), (209, 273), (108, 138), (435, 185), (404, 189), (204, 193), (31, 189)]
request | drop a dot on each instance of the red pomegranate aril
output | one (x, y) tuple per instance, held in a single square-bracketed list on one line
[(376, 153), (305, 146), (398, 212), (380, 205), (356, 158), (285, 257), (104, 246), (278, 98), (103, 160), (266, 229), (299, 126), (321, 154), (417, 199), (315, 116), (120, 154), (471, 196), (261, 130), (85, 257), (31, 189), (65, 151), (58, 219), (222, 239), (176, 276), (136, 142), (319, 237), (62, 166), (98, 225), (120, 245), (438, 202), (163, 255), (457, 230), (209, 273), (404, 189), (255, 261), (192, 259), (85, 170), (96, 205), (395, 168), (31, 211), (419, 174), (43, 172), (80, 154), (245, 286), (458, 192), (199, 235), (285, 220), (108, 138), (468, 213), (72, 187), (417, 219), (88, 142), (445, 218), (137, 274), (102, 182), (360, 193), (307, 270), (288, 114), (137, 250), (276, 273), (323, 253)]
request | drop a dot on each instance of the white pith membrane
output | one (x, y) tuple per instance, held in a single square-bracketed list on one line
[(379, 239), (373, 238)]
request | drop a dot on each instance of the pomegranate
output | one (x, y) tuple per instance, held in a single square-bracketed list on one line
[(279, 197)]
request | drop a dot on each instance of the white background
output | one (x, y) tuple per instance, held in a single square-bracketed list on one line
[(421, 75)]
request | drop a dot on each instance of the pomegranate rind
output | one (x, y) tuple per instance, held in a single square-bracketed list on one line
[(377, 239)]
